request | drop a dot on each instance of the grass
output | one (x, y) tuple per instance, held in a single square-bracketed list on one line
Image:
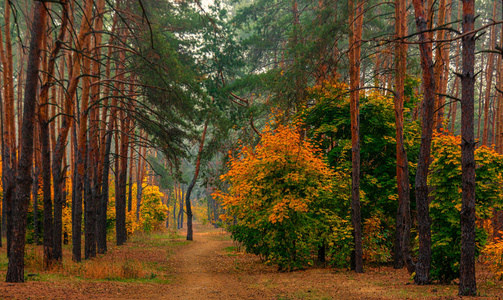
[(142, 260)]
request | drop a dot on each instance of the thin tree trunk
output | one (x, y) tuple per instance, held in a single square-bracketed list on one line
[(402, 248), (190, 236), (489, 79), (499, 118), (454, 105), (106, 139), (439, 67), (354, 58), (120, 199), (422, 203), (130, 179), (45, 135), (35, 187), (15, 269), (139, 180), (95, 134), (90, 219), (102, 210), (80, 162), (480, 110)]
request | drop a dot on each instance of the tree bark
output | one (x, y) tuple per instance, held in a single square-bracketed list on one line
[(130, 179), (439, 67), (489, 80), (102, 210), (9, 151), (454, 106), (15, 270), (120, 199), (58, 170), (467, 282), (139, 179), (403, 223), (354, 60), (80, 163), (45, 135), (190, 236), (422, 203)]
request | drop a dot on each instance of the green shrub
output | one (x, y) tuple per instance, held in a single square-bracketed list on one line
[(445, 181)]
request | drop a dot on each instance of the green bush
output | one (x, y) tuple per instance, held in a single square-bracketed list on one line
[(445, 181)]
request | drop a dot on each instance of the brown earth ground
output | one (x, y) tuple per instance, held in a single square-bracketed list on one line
[(164, 266)]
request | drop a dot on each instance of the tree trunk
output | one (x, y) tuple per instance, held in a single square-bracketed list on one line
[(489, 80), (354, 60), (467, 282), (190, 236), (130, 179), (45, 135), (15, 270), (34, 192), (454, 105), (422, 203), (102, 210), (120, 199), (139, 179), (441, 59), (80, 162), (9, 155), (402, 242), (90, 216), (480, 97)]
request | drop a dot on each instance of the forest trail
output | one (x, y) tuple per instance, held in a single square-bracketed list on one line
[(203, 269), (212, 267)]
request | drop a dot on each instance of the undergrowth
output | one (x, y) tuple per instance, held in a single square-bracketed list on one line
[(124, 263)]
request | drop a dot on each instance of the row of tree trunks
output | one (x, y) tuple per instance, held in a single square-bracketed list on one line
[(58, 171), (47, 119)]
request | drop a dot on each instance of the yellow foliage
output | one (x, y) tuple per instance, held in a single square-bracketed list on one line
[(374, 237), (494, 256)]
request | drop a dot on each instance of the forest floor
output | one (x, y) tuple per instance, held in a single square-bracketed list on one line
[(165, 266)]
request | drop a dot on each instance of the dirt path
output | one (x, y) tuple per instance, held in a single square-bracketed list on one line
[(209, 268), (204, 269)]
